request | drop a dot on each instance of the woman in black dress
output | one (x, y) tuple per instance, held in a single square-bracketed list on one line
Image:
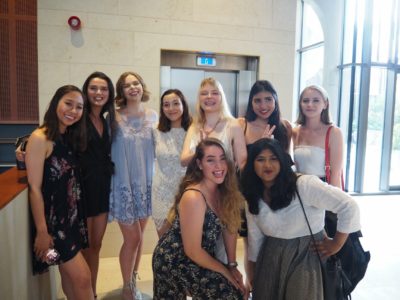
[(96, 164), (55, 192)]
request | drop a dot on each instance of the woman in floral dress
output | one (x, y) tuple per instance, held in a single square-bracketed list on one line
[(55, 192), (208, 203)]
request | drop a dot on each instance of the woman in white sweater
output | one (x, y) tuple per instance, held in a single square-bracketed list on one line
[(283, 266)]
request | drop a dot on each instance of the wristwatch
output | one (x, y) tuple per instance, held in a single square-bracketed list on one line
[(233, 264)]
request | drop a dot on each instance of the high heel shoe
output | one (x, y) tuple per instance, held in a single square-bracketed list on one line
[(137, 293)]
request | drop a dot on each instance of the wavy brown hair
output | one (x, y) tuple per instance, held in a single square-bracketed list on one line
[(231, 199), (120, 98)]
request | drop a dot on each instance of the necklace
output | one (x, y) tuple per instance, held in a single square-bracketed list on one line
[(208, 132)]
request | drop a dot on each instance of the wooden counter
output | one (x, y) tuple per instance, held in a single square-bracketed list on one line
[(12, 182)]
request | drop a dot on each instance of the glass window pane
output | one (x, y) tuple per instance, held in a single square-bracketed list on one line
[(360, 15), (376, 117), (394, 179), (344, 121), (312, 30), (312, 63), (381, 30), (349, 32)]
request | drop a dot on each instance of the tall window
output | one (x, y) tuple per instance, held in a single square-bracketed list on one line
[(311, 50), (18, 62), (370, 113)]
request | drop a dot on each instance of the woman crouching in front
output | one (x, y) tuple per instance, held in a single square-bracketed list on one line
[(207, 203)]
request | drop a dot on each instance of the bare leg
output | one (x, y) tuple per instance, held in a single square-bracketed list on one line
[(96, 229), (132, 236), (75, 276), (143, 223)]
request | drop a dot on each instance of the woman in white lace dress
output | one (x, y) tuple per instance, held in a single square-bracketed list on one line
[(168, 139)]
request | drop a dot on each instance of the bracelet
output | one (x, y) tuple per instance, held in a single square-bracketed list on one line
[(233, 264)]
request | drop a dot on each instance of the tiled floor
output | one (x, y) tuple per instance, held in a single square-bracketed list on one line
[(380, 221)]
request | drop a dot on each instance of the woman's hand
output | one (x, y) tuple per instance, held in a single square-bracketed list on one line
[(236, 279), (268, 132), (328, 247), (19, 154), (43, 242)]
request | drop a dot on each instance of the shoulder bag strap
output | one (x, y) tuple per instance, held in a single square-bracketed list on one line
[(327, 156), (309, 227)]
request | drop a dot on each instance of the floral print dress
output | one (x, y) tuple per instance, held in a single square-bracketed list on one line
[(62, 197), (176, 275)]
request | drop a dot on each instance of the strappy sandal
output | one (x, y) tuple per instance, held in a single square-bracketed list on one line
[(128, 291)]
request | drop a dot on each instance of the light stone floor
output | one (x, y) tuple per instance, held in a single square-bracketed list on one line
[(380, 217)]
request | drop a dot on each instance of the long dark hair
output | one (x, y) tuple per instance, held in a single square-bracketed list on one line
[(164, 124), (75, 134), (284, 188), (109, 106), (280, 132)]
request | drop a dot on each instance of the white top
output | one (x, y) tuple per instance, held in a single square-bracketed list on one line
[(224, 134), (168, 171), (309, 160), (289, 222)]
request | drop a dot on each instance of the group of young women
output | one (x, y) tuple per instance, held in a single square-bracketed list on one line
[(89, 163)]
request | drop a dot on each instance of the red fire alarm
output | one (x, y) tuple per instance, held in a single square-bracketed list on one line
[(74, 22)]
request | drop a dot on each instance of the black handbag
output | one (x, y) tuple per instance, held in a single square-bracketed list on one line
[(354, 260), (21, 142), (337, 283)]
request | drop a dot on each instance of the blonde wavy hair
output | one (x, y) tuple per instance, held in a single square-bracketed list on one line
[(231, 200), (200, 117)]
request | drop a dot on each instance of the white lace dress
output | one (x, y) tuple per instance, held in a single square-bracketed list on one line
[(168, 171)]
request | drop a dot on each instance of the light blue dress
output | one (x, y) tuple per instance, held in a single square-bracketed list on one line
[(132, 152)]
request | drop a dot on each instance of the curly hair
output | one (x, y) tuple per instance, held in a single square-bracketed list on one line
[(120, 98), (76, 133), (231, 199), (325, 115), (164, 124), (284, 188)]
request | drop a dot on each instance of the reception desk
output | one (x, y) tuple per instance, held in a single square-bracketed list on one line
[(16, 279)]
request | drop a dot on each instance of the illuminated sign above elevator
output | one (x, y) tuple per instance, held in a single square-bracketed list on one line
[(206, 61)]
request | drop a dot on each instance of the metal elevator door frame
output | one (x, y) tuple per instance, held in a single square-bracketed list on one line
[(236, 85)]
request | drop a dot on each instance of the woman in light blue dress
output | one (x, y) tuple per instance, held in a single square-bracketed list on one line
[(132, 152)]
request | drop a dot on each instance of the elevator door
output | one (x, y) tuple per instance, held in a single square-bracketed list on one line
[(188, 81)]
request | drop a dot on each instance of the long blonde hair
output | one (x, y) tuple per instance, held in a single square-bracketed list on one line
[(200, 118), (231, 199)]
